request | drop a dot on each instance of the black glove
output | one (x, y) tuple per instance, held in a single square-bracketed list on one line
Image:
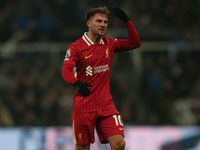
[(82, 88), (121, 14)]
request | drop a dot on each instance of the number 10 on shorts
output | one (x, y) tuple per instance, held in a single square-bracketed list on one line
[(118, 120)]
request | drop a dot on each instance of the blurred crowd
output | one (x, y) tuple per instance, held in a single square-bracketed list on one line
[(33, 93), (63, 20)]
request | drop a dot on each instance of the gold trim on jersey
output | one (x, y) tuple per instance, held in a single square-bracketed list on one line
[(75, 141), (107, 54), (74, 72)]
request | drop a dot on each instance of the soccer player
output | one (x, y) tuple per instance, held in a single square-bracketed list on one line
[(90, 58)]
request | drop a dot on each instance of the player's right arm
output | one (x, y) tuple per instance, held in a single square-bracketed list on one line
[(69, 63), (70, 60), (67, 73)]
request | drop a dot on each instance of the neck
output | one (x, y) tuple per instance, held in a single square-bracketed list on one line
[(95, 38)]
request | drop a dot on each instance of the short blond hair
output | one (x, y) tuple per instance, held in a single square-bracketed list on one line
[(93, 11)]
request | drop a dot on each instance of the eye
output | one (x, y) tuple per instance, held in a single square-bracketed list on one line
[(98, 21)]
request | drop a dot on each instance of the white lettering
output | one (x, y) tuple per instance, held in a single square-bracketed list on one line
[(97, 69)]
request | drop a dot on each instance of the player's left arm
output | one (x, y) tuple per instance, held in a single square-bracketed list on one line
[(133, 42)]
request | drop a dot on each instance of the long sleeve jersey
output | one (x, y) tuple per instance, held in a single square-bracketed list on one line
[(92, 63)]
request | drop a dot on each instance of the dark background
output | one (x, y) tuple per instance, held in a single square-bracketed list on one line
[(32, 92)]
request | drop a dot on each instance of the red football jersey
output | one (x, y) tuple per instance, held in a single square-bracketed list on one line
[(92, 64)]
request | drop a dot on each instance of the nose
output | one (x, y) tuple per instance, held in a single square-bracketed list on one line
[(102, 24)]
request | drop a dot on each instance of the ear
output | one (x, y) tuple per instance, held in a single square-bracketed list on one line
[(88, 23)]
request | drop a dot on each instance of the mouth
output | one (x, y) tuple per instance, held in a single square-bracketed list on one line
[(102, 29)]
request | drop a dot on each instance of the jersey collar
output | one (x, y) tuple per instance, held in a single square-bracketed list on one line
[(88, 41)]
